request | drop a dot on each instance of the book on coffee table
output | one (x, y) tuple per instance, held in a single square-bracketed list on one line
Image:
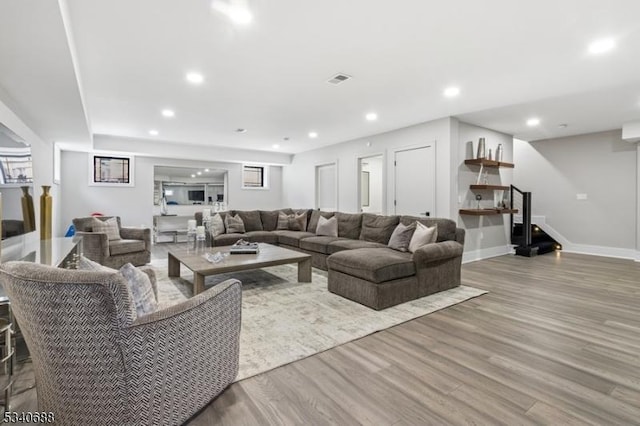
[(244, 247)]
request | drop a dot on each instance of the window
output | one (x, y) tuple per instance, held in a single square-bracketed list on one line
[(109, 170), (254, 177)]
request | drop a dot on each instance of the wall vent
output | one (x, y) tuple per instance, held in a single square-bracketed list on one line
[(339, 78)]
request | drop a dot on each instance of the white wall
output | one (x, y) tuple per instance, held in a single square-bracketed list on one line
[(600, 165), (486, 235), (42, 156), (135, 204), (299, 177)]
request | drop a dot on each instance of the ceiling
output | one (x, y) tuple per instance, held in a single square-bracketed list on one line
[(128, 59)]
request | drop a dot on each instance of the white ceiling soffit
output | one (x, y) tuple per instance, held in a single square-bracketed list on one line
[(37, 76), (270, 76)]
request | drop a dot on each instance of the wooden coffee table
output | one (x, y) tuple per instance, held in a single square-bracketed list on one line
[(269, 255)]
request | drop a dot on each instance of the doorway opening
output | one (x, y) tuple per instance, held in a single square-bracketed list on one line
[(371, 184)]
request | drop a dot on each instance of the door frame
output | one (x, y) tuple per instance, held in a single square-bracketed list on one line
[(359, 158), (392, 162), (315, 184)]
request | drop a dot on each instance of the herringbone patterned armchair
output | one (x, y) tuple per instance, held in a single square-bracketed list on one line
[(96, 364)]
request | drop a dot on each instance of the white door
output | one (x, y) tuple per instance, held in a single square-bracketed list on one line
[(415, 181), (327, 187)]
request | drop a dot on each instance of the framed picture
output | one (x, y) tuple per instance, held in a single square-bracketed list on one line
[(110, 170)]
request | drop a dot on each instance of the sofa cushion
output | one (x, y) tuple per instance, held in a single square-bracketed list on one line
[(378, 228), (234, 224), (261, 237), (109, 227), (341, 245), (125, 246), (349, 225), (423, 236), (315, 216), (377, 265), (227, 239), (251, 220), (270, 218), (292, 238), (292, 222), (446, 227), (318, 244), (401, 237), (216, 226), (328, 227)]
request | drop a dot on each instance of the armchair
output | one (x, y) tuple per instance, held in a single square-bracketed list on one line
[(97, 364), (134, 247)]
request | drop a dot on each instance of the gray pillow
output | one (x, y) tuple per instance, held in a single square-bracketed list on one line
[(283, 221), (109, 227), (141, 289), (234, 224), (251, 220), (327, 227), (216, 226), (378, 228), (298, 222), (401, 237)]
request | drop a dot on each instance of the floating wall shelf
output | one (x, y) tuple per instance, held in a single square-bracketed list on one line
[(488, 163), (487, 212), (494, 187)]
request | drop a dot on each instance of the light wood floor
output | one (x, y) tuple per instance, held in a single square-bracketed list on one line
[(556, 341)]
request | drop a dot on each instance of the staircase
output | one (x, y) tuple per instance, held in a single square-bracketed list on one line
[(529, 238)]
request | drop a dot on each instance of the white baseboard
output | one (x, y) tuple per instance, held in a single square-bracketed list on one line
[(474, 255)]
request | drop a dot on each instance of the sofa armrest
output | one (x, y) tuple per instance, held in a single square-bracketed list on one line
[(437, 251), (143, 234), (460, 233), (95, 245)]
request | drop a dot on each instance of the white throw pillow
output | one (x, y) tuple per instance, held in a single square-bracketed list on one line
[(216, 226), (328, 227), (141, 289), (423, 235)]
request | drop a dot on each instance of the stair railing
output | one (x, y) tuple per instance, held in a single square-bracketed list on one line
[(526, 214)]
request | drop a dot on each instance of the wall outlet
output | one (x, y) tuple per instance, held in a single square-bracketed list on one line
[(581, 196)]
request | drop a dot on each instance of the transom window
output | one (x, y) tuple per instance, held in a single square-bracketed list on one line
[(254, 177)]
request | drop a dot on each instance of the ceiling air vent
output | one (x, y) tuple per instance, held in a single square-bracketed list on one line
[(339, 78)]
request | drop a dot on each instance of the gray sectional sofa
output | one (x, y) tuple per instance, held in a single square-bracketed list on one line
[(360, 265)]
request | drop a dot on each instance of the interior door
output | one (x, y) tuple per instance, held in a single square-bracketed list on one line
[(326, 187), (415, 181)]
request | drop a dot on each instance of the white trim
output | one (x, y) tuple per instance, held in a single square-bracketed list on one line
[(486, 253)]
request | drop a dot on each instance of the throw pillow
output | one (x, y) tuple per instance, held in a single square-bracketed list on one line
[(283, 221), (422, 236), (86, 264), (109, 227), (401, 236), (234, 224), (141, 289), (216, 226), (298, 222), (328, 227)]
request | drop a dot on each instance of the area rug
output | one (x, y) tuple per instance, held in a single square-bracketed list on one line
[(285, 321)]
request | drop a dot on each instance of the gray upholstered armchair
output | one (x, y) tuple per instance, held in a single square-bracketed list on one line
[(134, 245), (97, 364)]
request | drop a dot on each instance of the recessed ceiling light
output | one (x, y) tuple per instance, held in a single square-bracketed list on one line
[(194, 77), (199, 173), (240, 130), (240, 15), (533, 122), (286, 138), (275, 146), (601, 46), (168, 113), (313, 135), (193, 176), (154, 132), (206, 170), (563, 125), (451, 92), (372, 116)]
